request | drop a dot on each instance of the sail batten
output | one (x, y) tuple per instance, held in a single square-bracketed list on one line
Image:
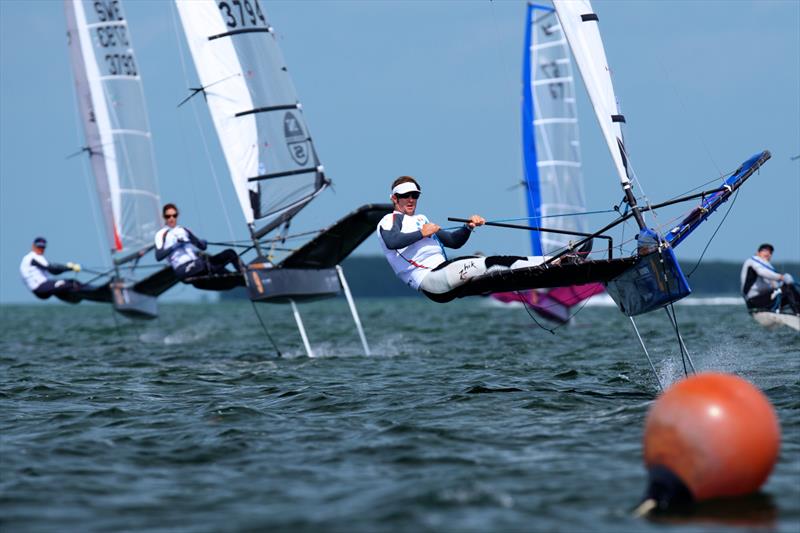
[(254, 108), (114, 117)]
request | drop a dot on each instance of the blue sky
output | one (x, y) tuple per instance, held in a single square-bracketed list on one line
[(430, 89)]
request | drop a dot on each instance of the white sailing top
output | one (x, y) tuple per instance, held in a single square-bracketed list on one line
[(767, 276), (34, 270), (411, 255), (183, 253)]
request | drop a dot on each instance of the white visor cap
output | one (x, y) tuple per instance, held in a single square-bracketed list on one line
[(405, 187)]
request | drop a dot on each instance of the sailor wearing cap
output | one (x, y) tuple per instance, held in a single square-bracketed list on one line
[(414, 246), (37, 274)]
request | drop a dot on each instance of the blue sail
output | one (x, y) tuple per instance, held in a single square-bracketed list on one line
[(551, 150)]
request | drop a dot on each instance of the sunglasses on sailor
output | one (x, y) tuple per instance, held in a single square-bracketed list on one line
[(170, 215), (412, 194)]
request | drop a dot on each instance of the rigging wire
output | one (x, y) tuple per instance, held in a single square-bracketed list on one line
[(200, 127), (696, 127), (266, 331), (735, 196), (530, 314), (528, 308)]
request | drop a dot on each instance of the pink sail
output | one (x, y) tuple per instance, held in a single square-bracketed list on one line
[(552, 304)]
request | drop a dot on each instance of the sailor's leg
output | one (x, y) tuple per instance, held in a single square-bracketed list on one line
[(46, 289), (760, 301), (452, 274), (225, 257), (63, 289), (191, 269), (791, 297)]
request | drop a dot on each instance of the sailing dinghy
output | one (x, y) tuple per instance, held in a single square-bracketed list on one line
[(650, 278), (775, 319), (119, 145), (271, 158), (551, 151)]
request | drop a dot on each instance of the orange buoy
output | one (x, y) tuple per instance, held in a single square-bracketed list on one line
[(715, 434)]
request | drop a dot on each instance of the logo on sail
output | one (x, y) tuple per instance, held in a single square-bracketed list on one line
[(296, 138)]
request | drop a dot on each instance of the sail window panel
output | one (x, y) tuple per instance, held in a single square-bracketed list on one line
[(139, 207), (275, 199), (555, 128), (553, 142), (114, 115), (284, 144), (263, 70), (125, 102)]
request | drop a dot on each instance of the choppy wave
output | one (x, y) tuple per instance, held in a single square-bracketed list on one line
[(466, 417)]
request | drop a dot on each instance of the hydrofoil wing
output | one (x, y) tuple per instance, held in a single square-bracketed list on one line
[(335, 243)]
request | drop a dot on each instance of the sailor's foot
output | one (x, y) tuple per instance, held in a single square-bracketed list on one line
[(579, 255), (569, 259)]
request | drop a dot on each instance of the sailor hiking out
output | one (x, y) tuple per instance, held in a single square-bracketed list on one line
[(764, 288), (37, 273), (183, 250), (414, 247)]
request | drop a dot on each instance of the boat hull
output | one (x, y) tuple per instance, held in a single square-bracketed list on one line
[(280, 285), (772, 320), (132, 304)]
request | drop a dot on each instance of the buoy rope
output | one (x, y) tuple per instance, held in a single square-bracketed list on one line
[(645, 507)]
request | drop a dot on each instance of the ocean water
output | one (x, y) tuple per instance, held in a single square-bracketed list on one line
[(466, 417)]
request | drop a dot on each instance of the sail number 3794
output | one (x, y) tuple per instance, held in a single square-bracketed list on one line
[(239, 13)]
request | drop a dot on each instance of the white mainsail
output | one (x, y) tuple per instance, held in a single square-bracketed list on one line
[(579, 23), (254, 107), (114, 116), (550, 137)]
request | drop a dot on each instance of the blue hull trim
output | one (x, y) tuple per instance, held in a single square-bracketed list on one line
[(677, 234), (656, 279)]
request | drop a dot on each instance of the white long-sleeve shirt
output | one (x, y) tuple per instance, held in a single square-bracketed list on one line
[(767, 277)]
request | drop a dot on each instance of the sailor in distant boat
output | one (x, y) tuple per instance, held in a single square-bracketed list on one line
[(183, 250), (37, 273), (414, 247), (764, 288)]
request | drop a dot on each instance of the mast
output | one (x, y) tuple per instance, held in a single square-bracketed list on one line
[(550, 139), (114, 117), (254, 106), (580, 25)]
